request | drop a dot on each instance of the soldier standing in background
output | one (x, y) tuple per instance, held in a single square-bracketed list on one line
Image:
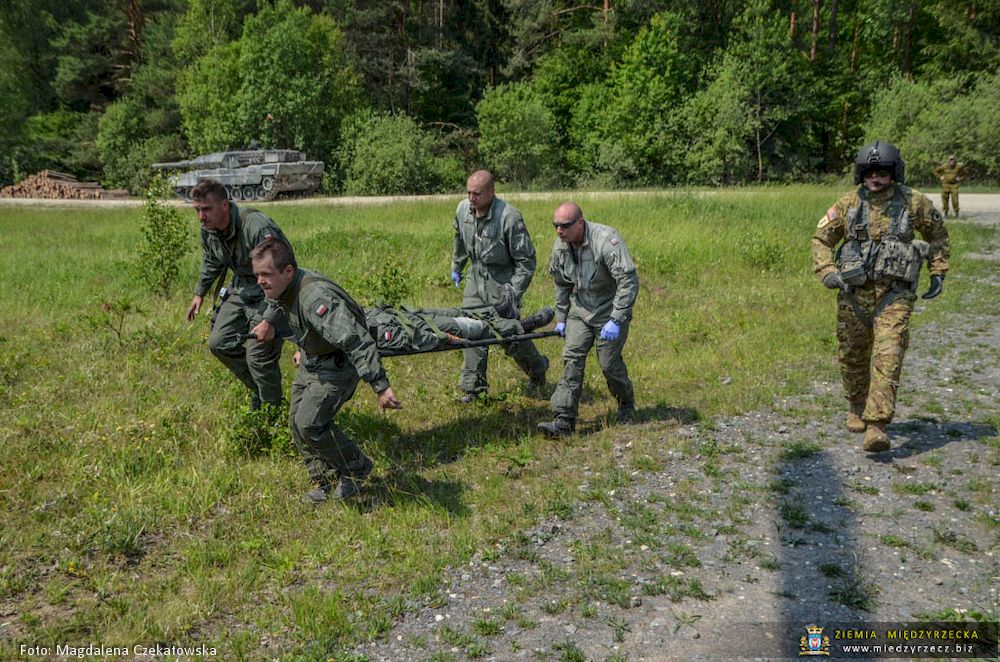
[(596, 287), (336, 352), (491, 237), (876, 272), (228, 234), (950, 174)]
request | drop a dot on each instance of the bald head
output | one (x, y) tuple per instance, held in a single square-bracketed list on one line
[(567, 211), (479, 187), (569, 223)]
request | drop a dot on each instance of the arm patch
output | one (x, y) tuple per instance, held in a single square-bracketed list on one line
[(321, 310)]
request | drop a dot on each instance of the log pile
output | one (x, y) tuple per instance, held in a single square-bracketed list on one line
[(59, 185)]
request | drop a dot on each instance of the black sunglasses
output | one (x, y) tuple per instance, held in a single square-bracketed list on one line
[(565, 226)]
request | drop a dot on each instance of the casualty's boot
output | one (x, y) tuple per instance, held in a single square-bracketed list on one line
[(557, 427), (350, 483), (626, 412), (876, 439), (537, 319), (854, 421)]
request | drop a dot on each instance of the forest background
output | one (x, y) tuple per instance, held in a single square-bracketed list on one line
[(406, 96)]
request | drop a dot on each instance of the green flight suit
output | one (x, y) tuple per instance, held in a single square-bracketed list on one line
[(337, 352), (950, 176), (498, 249), (595, 282), (871, 355), (256, 364), (414, 329)]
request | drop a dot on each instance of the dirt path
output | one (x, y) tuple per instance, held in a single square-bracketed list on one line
[(973, 204), (733, 535)]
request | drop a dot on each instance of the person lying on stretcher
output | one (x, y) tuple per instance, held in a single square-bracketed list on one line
[(406, 330)]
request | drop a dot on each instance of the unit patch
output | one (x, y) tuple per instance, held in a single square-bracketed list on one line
[(321, 310)]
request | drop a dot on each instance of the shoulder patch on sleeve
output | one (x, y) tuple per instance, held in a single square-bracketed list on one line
[(321, 309), (614, 241), (268, 235), (936, 215), (824, 221), (520, 225)]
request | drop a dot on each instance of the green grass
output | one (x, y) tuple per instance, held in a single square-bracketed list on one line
[(125, 515)]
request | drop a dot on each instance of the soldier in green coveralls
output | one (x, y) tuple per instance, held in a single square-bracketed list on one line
[(228, 234), (596, 287), (876, 269), (950, 174), (336, 352), (491, 237)]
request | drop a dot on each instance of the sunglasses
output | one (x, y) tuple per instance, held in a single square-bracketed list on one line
[(565, 226)]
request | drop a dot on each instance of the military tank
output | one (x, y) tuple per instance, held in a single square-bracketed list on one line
[(250, 174)]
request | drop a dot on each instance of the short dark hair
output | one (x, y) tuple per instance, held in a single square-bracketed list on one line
[(280, 252), (209, 188)]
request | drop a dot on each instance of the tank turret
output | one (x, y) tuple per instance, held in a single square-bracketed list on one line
[(250, 174)]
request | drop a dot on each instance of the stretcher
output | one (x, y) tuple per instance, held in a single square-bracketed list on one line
[(456, 343)]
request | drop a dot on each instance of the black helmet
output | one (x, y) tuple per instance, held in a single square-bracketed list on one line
[(884, 156)]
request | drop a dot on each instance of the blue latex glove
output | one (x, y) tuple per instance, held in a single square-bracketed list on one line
[(561, 328), (456, 278), (610, 331)]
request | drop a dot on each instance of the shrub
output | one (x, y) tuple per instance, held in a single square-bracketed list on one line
[(389, 154), (164, 241), (517, 132)]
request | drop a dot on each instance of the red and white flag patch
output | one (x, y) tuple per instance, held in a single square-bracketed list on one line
[(321, 310)]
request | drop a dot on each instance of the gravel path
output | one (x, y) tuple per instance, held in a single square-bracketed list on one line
[(974, 205), (732, 535)]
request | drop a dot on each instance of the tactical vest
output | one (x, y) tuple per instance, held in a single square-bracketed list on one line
[(393, 330), (862, 260)]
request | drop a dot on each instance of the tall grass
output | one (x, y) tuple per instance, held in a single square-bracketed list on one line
[(125, 519)]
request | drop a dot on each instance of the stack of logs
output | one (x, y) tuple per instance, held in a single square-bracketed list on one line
[(52, 184)]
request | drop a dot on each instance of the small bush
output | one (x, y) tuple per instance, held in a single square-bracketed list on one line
[(164, 241), (392, 284), (261, 432)]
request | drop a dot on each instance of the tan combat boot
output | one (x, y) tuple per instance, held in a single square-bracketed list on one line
[(854, 421), (876, 440)]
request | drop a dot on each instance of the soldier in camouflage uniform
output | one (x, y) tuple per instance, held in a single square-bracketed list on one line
[(596, 287), (336, 352), (950, 174), (491, 237), (876, 271), (228, 234)]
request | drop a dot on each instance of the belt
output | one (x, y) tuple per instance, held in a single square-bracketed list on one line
[(314, 362)]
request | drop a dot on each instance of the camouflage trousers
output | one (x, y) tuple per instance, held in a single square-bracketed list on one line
[(952, 192), (320, 389), (524, 353), (871, 358), (580, 337), (256, 364)]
